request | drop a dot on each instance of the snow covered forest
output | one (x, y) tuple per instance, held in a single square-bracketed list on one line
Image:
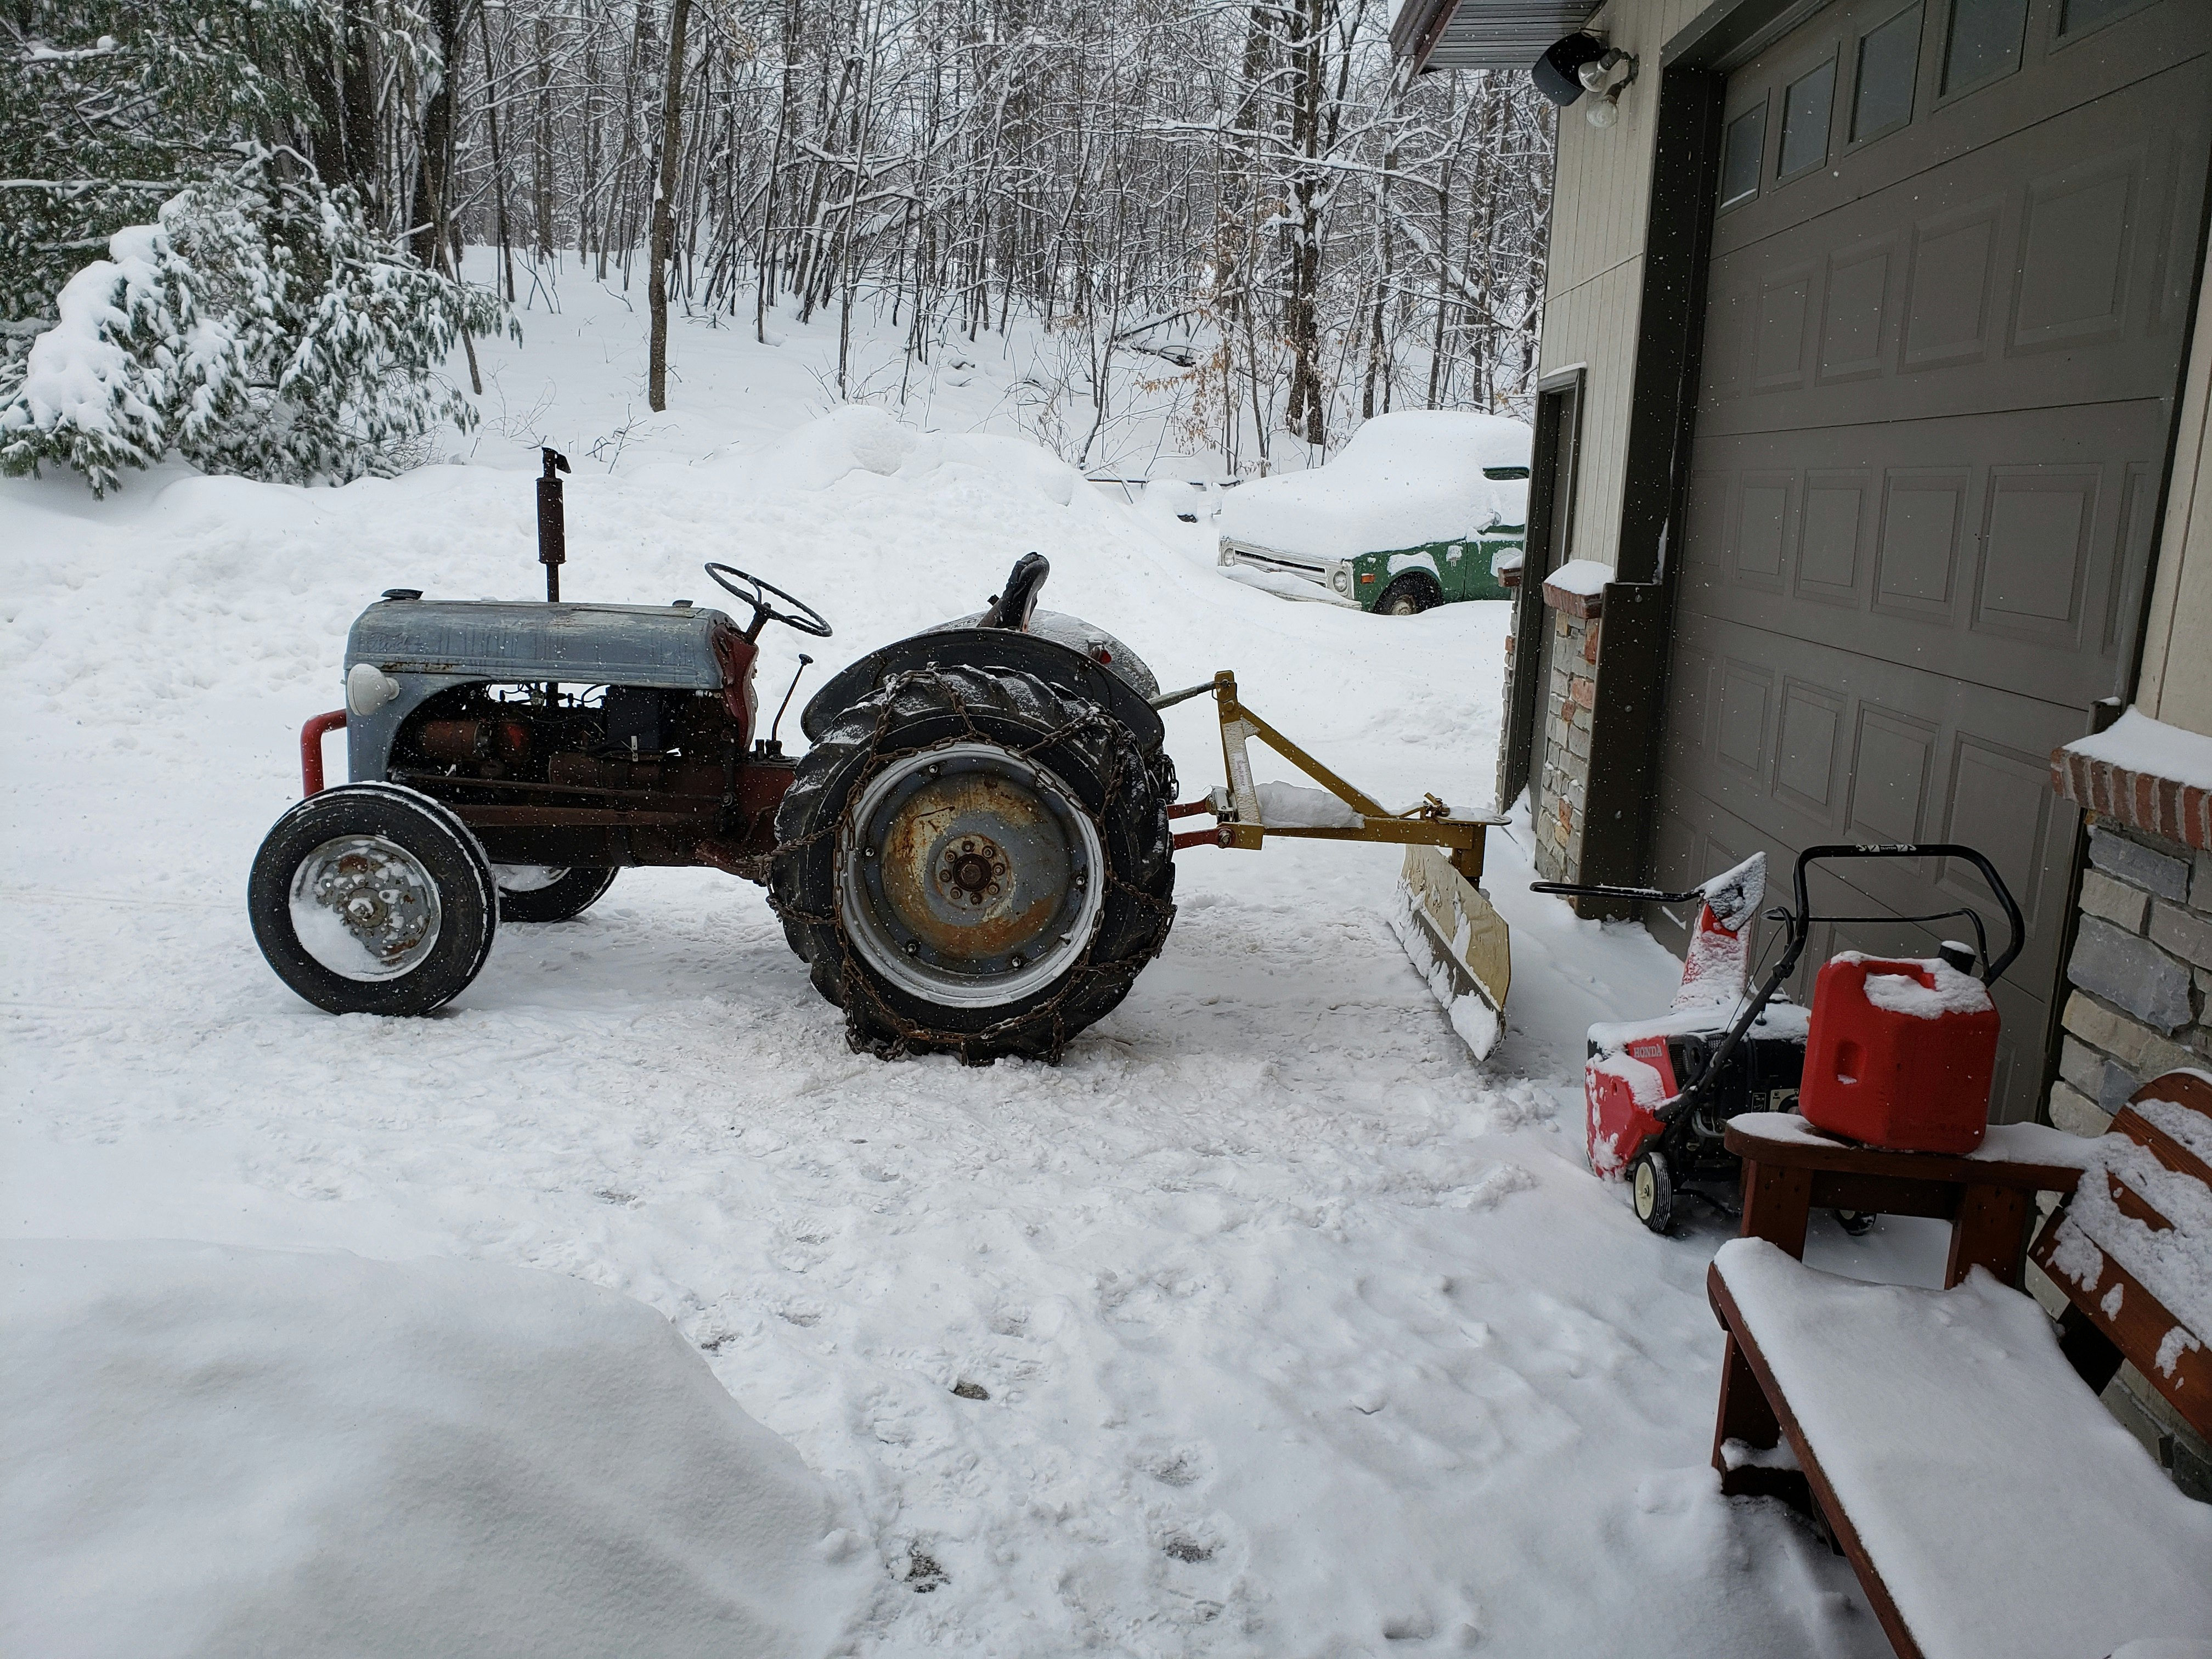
[(1236, 219)]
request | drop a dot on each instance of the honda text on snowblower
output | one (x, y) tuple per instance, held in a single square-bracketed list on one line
[(974, 856)]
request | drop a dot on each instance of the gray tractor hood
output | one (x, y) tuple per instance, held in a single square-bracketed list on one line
[(429, 646), (590, 644)]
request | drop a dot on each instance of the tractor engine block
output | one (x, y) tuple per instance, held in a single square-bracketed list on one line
[(637, 775)]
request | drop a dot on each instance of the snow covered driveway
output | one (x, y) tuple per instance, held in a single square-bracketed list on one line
[(1266, 1324)]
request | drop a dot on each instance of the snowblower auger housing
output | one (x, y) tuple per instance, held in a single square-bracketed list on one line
[(974, 857)]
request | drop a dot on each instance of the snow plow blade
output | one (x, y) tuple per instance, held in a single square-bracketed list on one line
[(1457, 942)]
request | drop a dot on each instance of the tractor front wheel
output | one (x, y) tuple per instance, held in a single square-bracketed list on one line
[(974, 862), (537, 892), (373, 899)]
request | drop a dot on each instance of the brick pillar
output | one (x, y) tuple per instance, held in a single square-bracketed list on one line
[(1560, 788)]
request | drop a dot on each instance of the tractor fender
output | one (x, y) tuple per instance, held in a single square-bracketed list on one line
[(963, 645)]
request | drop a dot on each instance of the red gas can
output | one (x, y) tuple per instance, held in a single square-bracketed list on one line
[(1899, 1054)]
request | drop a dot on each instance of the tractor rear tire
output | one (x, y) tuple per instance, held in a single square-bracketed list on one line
[(550, 894), (974, 862), (371, 898)]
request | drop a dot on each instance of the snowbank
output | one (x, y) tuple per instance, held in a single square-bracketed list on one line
[(1406, 479), (862, 438), (222, 1451)]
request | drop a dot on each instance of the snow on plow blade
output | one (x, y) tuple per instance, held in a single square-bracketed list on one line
[(1457, 942)]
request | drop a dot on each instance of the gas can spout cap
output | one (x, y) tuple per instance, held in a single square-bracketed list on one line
[(1957, 954)]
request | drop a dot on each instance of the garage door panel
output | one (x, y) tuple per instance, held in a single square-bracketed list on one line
[(1934, 403), (2138, 509), (1834, 532), (2178, 255), (2009, 562), (1780, 360), (1999, 801), (1764, 523), (1930, 758), (1743, 719), (1807, 745), (1859, 300), (2036, 540), (1977, 284), (1893, 758), (2057, 81), (2076, 251), (1949, 297), (1917, 550)]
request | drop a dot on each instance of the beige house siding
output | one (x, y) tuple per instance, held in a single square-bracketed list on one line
[(2176, 683), (1594, 273)]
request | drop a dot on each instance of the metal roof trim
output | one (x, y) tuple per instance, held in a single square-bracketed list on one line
[(1437, 34)]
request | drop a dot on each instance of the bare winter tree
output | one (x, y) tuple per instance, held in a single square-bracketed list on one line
[(1237, 211)]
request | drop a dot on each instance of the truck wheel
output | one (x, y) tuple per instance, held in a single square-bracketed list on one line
[(974, 862), (538, 892), (373, 899), (1651, 1190), (1408, 597)]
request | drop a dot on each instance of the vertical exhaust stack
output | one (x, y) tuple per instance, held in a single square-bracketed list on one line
[(552, 523)]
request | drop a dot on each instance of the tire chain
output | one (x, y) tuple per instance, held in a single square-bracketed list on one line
[(971, 1047)]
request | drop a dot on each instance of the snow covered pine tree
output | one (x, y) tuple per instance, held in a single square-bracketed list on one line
[(263, 326)]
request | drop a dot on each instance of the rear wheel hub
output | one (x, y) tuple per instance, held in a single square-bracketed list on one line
[(970, 877)]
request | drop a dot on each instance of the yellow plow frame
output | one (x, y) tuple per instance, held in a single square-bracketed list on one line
[(1444, 919)]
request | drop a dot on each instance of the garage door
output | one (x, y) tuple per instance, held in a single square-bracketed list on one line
[(1951, 264)]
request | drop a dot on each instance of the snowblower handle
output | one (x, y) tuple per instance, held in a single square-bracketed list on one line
[(1604, 890), (1802, 923)]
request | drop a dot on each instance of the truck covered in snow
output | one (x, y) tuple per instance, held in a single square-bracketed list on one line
[(1422, 508)]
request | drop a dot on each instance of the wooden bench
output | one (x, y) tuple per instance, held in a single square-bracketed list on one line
[(1953, 1445)]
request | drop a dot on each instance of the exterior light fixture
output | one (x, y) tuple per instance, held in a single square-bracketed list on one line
[(1580, 63), (1558, 73), (1597, 76)]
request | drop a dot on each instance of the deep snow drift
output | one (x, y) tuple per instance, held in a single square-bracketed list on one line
[(219, 1452), (1282, 1327)]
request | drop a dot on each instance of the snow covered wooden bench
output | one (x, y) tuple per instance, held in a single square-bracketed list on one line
[(1989, 1503)]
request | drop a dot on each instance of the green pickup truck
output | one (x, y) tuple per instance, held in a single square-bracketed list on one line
[(1422, 508)]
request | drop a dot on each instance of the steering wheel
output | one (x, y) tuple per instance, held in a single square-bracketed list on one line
[(803, 616)]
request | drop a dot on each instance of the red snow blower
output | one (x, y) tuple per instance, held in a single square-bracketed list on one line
[(1894, 1051)]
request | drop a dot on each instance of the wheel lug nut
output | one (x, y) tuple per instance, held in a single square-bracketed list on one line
[(913, 947)]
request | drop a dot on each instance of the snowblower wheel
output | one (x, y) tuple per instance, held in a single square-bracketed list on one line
[(974, 862), (1408, 597), (538, 892), (371, 898), (1651, 1190)]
